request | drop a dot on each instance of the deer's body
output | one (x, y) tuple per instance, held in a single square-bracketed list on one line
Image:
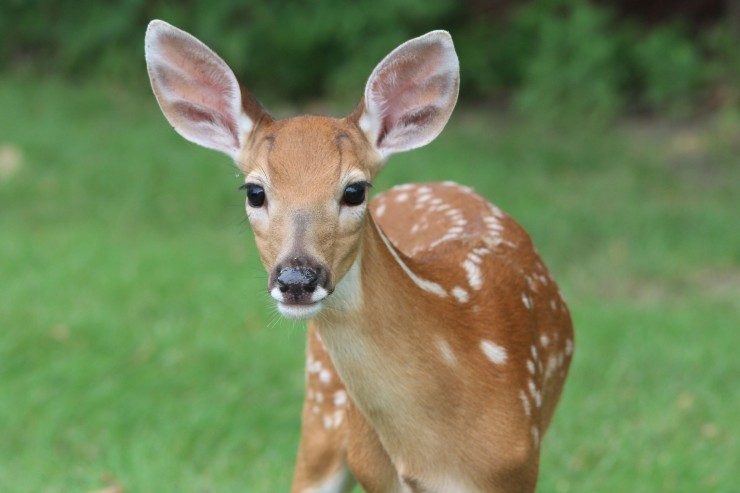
[(438, 343), (484, 356)]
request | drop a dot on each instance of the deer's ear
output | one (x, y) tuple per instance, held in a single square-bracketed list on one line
[(197, 91), (411, 93)]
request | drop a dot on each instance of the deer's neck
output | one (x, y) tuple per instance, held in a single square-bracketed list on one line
[(379, 332), (374, 297)]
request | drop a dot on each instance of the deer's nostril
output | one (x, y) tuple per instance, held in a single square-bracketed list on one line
[(311, 278)]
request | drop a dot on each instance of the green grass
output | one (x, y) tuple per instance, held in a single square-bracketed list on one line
[(138, 346)]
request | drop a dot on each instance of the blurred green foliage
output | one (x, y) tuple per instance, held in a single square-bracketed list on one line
[(559, 59), (140, 351), (575, 70), (671, 69)]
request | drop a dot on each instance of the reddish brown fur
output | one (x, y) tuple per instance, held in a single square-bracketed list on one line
[(478, 403), (472, 416)]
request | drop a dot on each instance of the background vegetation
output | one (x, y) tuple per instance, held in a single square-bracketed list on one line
[(555, 57), (138, 349)]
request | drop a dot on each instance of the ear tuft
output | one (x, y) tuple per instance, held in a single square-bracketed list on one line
[(198, 93), (411, 94)]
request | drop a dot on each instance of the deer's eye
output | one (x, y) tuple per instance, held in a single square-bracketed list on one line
[(255, 194), (355, 193)]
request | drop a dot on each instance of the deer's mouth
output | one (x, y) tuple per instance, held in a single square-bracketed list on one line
[(299, 311), (300, 307)]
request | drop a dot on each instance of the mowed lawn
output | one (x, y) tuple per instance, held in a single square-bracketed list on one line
[(138, 346)]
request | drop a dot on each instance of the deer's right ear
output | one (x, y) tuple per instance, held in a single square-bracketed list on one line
[(197, 91), (410, 94)]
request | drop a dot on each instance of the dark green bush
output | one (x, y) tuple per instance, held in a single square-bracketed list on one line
[(290, 49), (559, 59), (574, 72), (671, 69)]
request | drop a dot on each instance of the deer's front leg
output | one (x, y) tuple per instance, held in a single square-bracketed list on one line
[(322, 454)]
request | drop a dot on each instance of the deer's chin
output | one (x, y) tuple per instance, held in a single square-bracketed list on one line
[(302, 311)]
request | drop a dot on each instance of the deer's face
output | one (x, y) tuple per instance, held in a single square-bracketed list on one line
[(306, 178), (307, 183)]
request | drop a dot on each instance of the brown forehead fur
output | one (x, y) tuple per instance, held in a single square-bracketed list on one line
[(306, 153)]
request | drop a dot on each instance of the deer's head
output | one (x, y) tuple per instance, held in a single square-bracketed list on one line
[(306, 178)]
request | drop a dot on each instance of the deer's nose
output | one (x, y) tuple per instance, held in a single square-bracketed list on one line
[(296, 281)]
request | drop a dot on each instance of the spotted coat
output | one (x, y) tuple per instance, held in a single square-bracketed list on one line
[(463, 250)]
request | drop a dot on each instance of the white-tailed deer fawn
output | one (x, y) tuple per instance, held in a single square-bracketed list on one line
[(438, 343)]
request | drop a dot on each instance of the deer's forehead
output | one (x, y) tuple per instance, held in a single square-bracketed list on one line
[(306, 153)]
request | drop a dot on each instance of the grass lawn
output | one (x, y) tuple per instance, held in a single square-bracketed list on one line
[(138, 346)]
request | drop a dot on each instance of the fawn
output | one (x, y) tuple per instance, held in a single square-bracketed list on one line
[(438, 342)]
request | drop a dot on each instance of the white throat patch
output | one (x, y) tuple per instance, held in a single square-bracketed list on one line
[(347, 294)]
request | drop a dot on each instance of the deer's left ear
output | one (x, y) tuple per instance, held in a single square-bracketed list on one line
[(410, 94)]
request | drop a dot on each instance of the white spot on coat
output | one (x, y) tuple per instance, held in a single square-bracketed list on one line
[(525, 403), (496, 211), (446, 351), (332, 421), (544, 340), (552, 364), (340, 398), (338, 417), (325, 376), (494, 352), (535, 392), (312, 365), (527, 301), (493, 225), (473, 273), (460, 294)]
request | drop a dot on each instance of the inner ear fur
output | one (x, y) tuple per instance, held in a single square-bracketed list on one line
[(410, 95), (197, 91)]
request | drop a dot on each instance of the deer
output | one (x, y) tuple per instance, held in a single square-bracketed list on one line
[(438, 342)]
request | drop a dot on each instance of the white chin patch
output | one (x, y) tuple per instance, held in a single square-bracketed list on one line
[(299, 312)]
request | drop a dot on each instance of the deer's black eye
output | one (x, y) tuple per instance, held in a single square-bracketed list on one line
[(255, 194), (355, 193)]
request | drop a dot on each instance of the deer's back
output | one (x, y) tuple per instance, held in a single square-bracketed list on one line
[(508, 309)]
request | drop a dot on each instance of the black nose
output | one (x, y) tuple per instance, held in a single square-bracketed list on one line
[(297, 280)]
